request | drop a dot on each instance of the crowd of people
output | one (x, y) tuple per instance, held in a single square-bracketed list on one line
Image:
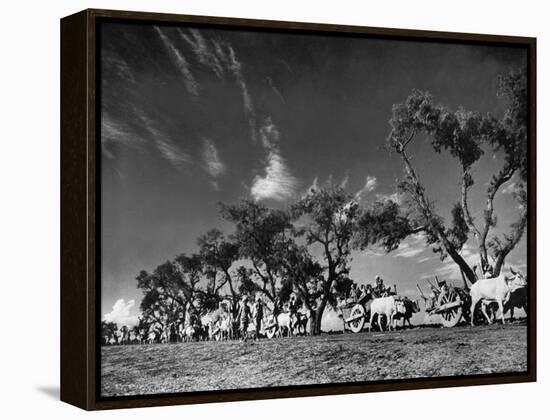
[(251, 316), (364, 292)]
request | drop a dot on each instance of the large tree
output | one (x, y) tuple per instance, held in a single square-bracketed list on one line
[(301, 273), (331, 217), (466, 136), (261, 233), (170, 289), (218, 255)]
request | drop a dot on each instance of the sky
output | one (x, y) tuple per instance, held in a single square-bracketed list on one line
[(191, 117)]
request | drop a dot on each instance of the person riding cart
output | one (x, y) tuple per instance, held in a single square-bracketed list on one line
[(443, 291), (365, 293), (379, 288), (432, 298)]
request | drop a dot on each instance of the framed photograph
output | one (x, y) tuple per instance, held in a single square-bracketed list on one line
[(259, 209)]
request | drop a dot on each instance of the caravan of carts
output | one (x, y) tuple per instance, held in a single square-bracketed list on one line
[(364, 307), (451, 303), (446, 304)]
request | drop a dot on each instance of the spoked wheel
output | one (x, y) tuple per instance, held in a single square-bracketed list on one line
[(357, 324), (452, 316), (270, 332)]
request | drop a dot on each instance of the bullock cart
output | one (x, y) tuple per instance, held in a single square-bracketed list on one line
[(356, 314), (271, 326), (452, 304)]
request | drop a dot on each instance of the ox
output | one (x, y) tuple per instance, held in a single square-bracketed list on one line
[(383, 306), (404, 309), (496, 289), (227, 327), (284, 322)]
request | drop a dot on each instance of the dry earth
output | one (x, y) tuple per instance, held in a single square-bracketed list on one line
[(420, 352)]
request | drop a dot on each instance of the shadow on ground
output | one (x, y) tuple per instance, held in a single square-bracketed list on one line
[(49, 391)]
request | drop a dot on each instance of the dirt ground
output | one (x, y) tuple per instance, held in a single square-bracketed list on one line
[(420, 352)]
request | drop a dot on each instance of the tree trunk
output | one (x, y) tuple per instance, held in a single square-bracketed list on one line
[(480, 238), (319, 316), (426, 211), (513, 240)]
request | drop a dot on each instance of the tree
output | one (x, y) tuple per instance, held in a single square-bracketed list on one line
[(247, 285), (383, 224), (170, 290), (261, 234), (332, 217), (108, 331), (218, 255), (300, 273), (465, 135), (510, 134)]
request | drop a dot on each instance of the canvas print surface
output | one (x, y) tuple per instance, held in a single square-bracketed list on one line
[(287, 208)]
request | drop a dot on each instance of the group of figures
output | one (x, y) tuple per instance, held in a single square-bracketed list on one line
[(244, 321), (376, 306)]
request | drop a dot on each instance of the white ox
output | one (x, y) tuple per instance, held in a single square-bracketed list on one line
[(496, 289), (383, 306)]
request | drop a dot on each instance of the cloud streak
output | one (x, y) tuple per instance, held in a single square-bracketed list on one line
[(203, 52), (395, 197), (411, 247), (277, 182), (275, 90), (164, 144), (180, 62), (113, 132), (370, 185), (235, 67), (118, 65), (510, 188), (213, 164)]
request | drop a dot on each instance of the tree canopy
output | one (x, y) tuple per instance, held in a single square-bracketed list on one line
[(465, 135)]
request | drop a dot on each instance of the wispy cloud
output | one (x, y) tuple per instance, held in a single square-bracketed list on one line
[(211, 158), (180, 62), (510, 188), (235, 67), (395, 197), (370, 185), (406, 250), (121, 313), (114, 131), (344, 182), (449, 269), (277, 183), (112, 61), (275, 90), (411, 247), (164, 144), (374, 252), (314, 186), (269, 134), (203, 51)]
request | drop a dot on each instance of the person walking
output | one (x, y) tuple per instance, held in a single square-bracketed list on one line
[(258, 315), (244, 318)]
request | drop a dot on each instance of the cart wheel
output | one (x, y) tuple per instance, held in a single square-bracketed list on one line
[(357, 324), (451, 317), (270, 332)]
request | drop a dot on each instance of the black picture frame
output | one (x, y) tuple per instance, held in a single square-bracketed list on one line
[(80, 204)]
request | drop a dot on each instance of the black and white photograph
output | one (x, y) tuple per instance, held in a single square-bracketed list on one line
[(285, 208)]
